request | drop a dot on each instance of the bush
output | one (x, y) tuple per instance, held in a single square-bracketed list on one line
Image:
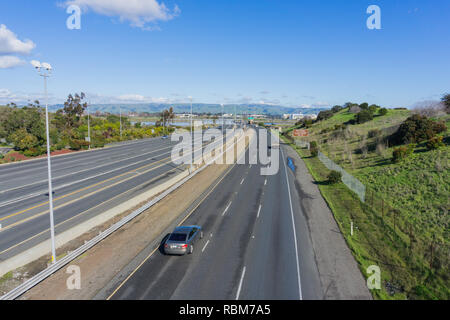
[(314, 148), (435, 143), (383, 111), (98, 141), (416, 129), (1, 156), (34, 152), (336, 109), (364, 106), (23, 140), (78, 144), (364, 116), (402, 153), (334, 177), (373, 108), (324, 115)]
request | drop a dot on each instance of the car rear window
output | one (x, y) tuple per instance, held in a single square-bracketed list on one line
[(179, 237)]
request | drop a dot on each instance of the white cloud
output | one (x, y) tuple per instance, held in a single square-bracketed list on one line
[(137, 12), (10, 62), (10, 44), (22, 98)]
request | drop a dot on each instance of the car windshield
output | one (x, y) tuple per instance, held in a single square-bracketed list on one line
[(178, 237)]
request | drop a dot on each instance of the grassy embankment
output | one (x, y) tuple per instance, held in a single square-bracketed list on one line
[(403, 225)]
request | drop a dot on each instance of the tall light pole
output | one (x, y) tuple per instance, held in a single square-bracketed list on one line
[(120, 119), (223, 121), (89, 126), (44, 71), (192, 134)]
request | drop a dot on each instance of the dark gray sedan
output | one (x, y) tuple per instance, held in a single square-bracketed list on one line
[(182, 239)]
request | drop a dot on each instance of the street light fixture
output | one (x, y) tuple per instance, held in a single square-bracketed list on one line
[(44, 69)]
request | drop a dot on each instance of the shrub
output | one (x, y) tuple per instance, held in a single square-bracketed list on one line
[(383, 111), (364, 116), (314, 148), (364, 106), (324, 115), (435, 143), (78, 144), (334, 177), (415, 129), (33, 152), (336, 109), (1, 156), (373, 108), (23, 140), (402, 153), (60, 145)]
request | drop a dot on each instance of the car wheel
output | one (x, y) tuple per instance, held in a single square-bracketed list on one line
[(191, 249)]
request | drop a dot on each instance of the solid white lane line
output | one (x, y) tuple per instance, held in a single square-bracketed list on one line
[(226, 209), (240, 284), (242, 181), (259, 210), (293, 228), (207, 242)]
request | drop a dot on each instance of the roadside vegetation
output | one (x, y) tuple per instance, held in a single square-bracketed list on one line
[(402, 157), (23, 129)]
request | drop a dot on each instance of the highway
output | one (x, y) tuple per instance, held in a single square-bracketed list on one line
[(85, 184), (256, 245)]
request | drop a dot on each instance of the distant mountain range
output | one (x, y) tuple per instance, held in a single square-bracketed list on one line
[(197, 108)]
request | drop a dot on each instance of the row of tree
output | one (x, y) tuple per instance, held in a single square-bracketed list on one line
[(24, 127)]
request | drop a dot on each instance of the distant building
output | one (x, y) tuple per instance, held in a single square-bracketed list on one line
[(299, 116)]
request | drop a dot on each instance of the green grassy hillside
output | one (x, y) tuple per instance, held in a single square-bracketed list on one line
[(405, 220)]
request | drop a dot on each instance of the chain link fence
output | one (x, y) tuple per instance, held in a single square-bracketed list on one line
[(351, 182)]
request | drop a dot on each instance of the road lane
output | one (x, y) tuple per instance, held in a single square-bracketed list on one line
[(25, 222), (248, 253)]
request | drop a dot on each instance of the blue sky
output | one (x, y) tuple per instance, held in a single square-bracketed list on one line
[(287, 52)]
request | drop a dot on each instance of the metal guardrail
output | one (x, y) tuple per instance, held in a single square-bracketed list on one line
[(30, 283)]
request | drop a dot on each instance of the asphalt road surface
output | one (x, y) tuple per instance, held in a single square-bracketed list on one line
[(84, 184), (256, 245)]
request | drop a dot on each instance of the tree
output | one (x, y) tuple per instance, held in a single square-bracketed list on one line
[(336, 109), (446, 100), (416, 129), (323, 115), (29, 118), (69, 117), (364, 105), (364, 116), (373, 108), (314, 148), (383, 111), (23, 140)]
